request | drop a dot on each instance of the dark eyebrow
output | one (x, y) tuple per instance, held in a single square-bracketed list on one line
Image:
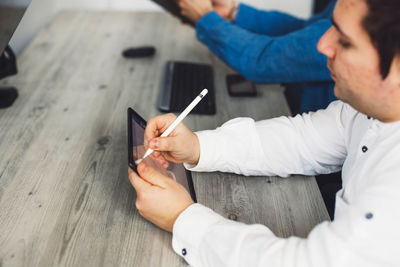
[(338, 28)]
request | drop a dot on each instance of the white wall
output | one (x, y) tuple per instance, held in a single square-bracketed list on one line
[(41, 12), (38, 14), (300, 8)]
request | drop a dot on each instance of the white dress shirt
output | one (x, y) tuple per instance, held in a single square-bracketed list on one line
[(366, 229)]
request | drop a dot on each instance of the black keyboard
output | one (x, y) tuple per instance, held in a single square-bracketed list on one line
[(182, 82)]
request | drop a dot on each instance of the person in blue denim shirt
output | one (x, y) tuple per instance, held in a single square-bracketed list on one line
[(267, 46)]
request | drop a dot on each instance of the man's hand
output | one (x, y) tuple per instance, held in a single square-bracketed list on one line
[(223, 7), (159, 198), (182, 145), (195, 9)]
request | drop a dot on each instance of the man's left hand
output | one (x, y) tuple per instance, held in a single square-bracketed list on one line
[(160, 199), (195, 9)]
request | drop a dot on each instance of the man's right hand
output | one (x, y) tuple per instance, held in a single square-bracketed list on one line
[(182, 145)]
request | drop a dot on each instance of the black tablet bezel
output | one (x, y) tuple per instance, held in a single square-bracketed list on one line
[(132, 115), (173, 8)]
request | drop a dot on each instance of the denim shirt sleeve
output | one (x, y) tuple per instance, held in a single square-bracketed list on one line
[(275, 23), (262, 58), (272, 23)]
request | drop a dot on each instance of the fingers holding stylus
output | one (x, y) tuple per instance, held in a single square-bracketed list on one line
[(176, 143), (182, 146), (157, 125), (165, 148), (161, 146), (160, 159)]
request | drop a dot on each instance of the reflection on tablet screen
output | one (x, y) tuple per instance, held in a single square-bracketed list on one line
[(138, 153), (174, 171)]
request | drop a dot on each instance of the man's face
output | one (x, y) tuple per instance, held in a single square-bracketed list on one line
[(354, 62)]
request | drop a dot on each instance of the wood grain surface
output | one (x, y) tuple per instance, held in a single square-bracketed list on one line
[(65, 198)]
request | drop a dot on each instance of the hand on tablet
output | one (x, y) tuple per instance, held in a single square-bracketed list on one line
[(195, 9), (159, 199), (140, 150), (181, 146)]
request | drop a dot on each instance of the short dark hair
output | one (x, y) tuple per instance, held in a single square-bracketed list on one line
[(382, 24)]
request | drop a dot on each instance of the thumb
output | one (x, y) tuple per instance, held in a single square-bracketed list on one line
[(164, 144), (137, 182), (151, 176)]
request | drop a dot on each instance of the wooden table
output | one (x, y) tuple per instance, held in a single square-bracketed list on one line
[(65, 198)]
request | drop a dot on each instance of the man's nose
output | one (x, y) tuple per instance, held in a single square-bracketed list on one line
[(326, 44)]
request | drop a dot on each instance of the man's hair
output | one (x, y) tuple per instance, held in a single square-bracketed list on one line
[(382, 24)]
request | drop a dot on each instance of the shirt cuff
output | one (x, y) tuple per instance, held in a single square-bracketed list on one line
[(208, 152), (189, 229)]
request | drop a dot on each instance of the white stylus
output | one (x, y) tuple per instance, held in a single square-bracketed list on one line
[(177, 121)]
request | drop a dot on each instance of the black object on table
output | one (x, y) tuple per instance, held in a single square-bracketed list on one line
[(139, 52), (239, 86), (182, 82)]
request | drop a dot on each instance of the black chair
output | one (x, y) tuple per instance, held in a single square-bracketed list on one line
[(320, 5), (8, 67)]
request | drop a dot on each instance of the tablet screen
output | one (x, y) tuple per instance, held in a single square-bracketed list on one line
[(137, 150)]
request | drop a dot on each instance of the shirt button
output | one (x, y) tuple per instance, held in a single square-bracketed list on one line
[(184, 252), (364, 149), (369, 117)]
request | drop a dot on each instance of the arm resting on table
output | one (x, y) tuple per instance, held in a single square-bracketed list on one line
[(309, 144), (353, 239), (261, 58), (275, 23), (272, 23)]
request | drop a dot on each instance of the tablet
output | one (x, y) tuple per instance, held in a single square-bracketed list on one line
[(136, 150), (172, 7)]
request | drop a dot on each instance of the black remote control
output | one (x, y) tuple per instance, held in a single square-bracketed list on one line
[(138, 52)]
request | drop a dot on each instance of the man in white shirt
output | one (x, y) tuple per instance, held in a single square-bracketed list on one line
[(359, 135)]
